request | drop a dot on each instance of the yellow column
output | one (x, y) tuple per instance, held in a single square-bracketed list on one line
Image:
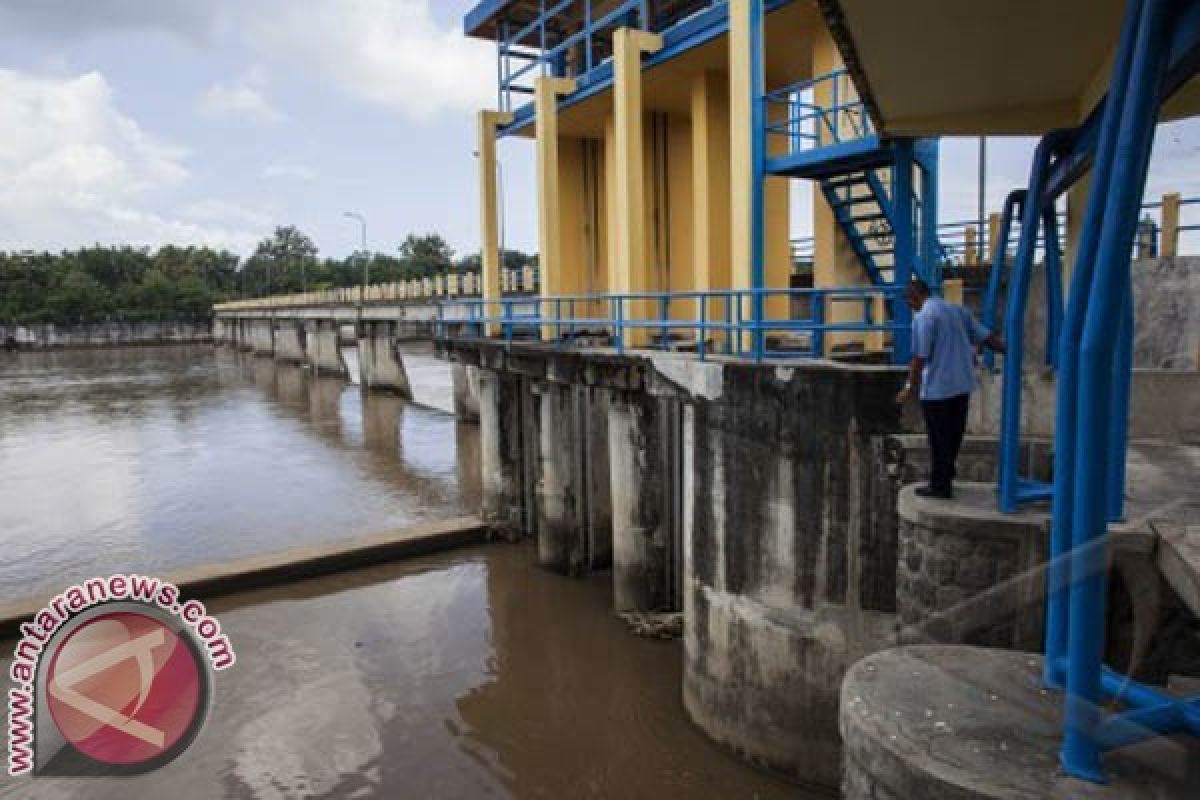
[(952, 291), (631, 270), (489, 234), (545, 101), (741, 147), (1170, 225), (834, 261), (777, 224), (710, 187), (993, 236)]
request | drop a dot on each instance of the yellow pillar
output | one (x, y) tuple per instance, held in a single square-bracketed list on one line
[(631, 271), (1170, 225), (489, 232), (952, 291), (710, 187), (741, 146), (834, 261), (970, 247), (993, 236), (545, 100)]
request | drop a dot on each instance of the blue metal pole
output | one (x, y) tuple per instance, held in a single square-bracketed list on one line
[(904, 252), (758, 134), (1054, 299), (1085, 639), (929, 210), (1014, 326), (1059, 574), (991, 299)]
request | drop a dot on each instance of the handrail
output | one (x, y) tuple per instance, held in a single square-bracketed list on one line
[(658, 316)]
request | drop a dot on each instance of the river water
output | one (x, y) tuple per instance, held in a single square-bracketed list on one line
[(467, 674)]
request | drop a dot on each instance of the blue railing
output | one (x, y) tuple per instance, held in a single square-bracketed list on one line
[(539, 47), (704, 322), (793, 112)]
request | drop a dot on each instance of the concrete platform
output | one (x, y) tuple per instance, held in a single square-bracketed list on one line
[(297, 563), (964, 723)]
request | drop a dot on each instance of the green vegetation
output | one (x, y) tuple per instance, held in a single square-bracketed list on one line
[(124, 283)]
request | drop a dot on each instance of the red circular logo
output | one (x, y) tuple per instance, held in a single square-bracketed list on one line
[(125, 689)]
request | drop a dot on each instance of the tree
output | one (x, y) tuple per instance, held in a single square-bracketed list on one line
[(281, 262), (426, 255)]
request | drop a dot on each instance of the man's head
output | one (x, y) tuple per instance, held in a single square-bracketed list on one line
[(916, 294)]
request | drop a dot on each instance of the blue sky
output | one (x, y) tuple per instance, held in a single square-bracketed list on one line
[(211, 121)]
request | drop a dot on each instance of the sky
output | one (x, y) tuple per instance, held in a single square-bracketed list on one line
[(147, 122)]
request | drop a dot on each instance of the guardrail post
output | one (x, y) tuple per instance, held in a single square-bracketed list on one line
[(1170, 225), (876, 340), (817, 311), (993, 239)]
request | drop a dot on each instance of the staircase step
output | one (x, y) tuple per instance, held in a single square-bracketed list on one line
[(857, 200), (867, 217)]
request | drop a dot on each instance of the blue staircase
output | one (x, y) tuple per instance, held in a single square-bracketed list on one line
[(831, 141)]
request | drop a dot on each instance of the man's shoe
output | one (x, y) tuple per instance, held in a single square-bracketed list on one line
[(929, 491)]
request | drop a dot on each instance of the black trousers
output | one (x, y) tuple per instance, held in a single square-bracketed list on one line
[(945, 424)]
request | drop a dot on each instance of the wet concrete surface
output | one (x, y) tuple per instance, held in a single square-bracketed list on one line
[(468, 674)]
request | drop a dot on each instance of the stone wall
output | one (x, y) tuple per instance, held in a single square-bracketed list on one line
[(969, 574), (103, 334)]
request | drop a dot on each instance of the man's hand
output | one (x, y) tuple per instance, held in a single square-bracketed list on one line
[(904, 396)]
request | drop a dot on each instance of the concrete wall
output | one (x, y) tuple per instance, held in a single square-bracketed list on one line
[(290, 341), (105, 334), (786, 573), (322, 350), (1165, 404), (380, 361), (260, 336), (466, 392)]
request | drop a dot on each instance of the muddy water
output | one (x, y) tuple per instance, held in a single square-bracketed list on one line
[(470, 674), (159, 458)]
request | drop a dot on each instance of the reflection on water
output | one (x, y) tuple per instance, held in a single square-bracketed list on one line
[(152, 459), (470, 674)]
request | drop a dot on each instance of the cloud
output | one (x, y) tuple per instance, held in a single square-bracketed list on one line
[(75, 170), (65, 19), (391, 53), (240, 101), (295, 172)]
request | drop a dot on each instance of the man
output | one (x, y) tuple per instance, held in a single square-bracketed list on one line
[(945, 339)]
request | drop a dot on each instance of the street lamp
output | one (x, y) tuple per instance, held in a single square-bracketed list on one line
[(366, 261)]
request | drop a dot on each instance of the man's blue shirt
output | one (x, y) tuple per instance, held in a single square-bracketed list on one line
[(945, 336)]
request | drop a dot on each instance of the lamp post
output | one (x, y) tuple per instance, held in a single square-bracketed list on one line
[(366, 261)]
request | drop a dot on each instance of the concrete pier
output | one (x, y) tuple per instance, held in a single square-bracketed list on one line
[(381, 364), (642, 546), (322, 349), (466, 392), (964, 723), (290, 342), (261, 337)]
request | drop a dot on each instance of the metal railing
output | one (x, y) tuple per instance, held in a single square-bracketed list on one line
[(703, 322), (539, 47), (807, 122)]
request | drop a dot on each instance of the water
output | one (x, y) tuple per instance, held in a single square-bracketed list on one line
[(160, 458), (467, 674)]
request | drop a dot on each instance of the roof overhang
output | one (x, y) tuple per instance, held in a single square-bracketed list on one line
[(929, 67)]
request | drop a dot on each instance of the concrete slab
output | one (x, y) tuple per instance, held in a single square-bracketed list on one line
[(963, 723), (1178, 560), (295, 564)]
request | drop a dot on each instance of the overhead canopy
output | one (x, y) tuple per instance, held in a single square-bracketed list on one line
[(931, 67)]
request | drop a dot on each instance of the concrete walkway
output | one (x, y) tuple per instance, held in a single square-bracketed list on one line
[(294, 564)]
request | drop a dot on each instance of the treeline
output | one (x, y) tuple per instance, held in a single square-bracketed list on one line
[(135, 284)]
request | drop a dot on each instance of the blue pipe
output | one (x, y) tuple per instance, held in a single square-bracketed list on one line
[(904, 250), (1014, 324), (1057, 623), (1110, 286), (759, 166), (1054, 298), (991, 300)]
